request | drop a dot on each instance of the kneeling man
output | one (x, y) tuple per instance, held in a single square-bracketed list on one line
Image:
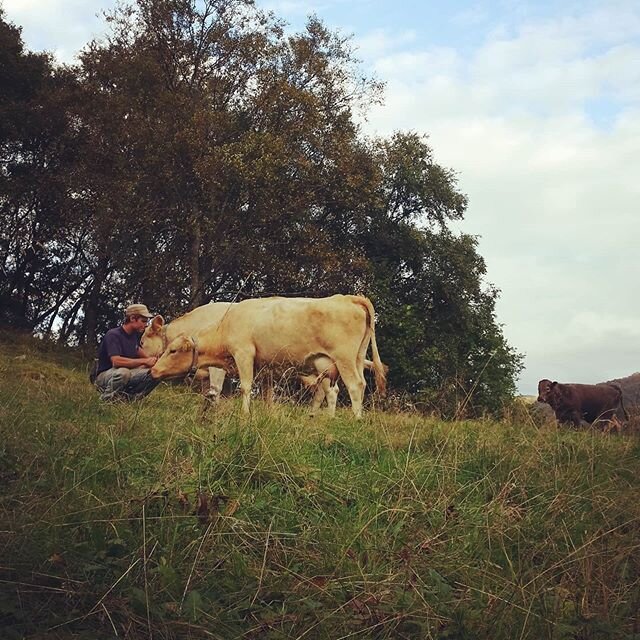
[(123, 371)]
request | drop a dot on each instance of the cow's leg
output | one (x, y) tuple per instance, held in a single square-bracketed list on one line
[(614, 424), (244, 362), (567, 417), (604, 420), (216, 380), (575, 417), (354, 382), (326, 390), (267, 386)]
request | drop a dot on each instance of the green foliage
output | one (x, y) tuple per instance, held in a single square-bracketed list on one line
[(143, 520), (36, 148), (436, 315)]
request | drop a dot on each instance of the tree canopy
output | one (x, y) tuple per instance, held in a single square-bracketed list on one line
[(201, 152)]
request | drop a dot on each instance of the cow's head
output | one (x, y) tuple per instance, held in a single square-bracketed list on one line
[(548, 392), (177, 359), (152, 340)]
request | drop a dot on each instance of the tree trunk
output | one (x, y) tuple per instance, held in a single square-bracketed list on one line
[(90, 336), (196, 281)]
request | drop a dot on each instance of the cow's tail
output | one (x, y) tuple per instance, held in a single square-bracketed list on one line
[(370, 335), (625, 413)]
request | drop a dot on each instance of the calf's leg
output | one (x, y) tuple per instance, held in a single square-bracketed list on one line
[(331, 392), (318, 397)]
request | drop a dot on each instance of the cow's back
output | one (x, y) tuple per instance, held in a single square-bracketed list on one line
[(594, 400), (285, 329), (197, 319), (604, 398)]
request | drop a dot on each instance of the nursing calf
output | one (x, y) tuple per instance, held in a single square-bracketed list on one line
[(325, 383)]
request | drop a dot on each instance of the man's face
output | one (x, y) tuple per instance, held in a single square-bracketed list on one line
[(140, 323)]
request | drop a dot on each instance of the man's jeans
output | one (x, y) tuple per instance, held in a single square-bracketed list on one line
[(125, 384)]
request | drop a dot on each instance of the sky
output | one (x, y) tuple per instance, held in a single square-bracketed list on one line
[(536, 106)]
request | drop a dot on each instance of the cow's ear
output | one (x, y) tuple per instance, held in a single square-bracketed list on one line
[(157, 323), (185, 344), (554, 383)]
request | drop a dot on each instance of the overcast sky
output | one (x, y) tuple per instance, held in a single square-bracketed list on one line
[(536, 105)]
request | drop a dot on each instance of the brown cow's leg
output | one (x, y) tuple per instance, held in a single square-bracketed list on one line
[(614, 424), (605, 420), (574, 418)]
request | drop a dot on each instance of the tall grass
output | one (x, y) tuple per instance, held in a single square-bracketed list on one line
[(147, 521)]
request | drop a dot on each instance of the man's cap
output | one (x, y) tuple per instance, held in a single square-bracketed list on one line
[(137, 310)]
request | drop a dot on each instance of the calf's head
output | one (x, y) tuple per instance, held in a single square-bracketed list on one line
[(177, 359), (152, 340), (548, 392)]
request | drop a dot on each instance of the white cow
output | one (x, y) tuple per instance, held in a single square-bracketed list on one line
[(159, 333), (281, 331), (156, 337)]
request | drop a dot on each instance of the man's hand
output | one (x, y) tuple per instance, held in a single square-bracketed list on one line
[(132, 363)]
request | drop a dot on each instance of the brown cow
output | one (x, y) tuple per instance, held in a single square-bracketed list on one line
[(576, 402)]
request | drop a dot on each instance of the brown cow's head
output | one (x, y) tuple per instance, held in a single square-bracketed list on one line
[(177, 359), (152, 340), (547, 391)]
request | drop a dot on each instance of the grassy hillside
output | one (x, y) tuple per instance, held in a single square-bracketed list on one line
[(144, 521)]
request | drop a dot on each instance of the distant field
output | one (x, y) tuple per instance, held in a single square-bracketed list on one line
[(144, 521)]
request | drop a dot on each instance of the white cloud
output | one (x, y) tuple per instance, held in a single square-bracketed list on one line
[(379, 41), (69, 23), (596, 325), (292, 7), (303, 8), (471, 16), (416, 66)]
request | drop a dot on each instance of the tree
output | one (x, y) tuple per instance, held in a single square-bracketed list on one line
[(220, 133), (37, 256), (437, 317)]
